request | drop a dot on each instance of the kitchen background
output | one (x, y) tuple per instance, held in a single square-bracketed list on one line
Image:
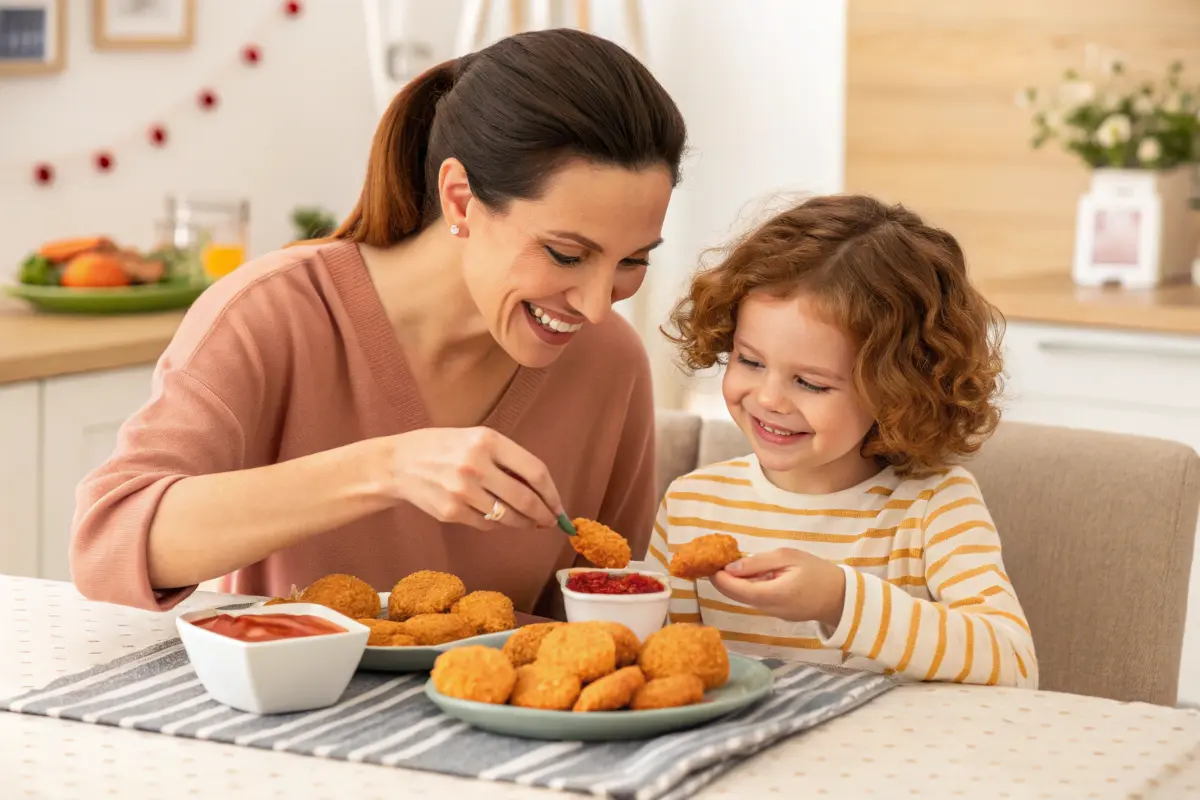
[(272, 104)]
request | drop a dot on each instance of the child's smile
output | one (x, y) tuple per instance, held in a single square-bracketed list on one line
[(789, 388)]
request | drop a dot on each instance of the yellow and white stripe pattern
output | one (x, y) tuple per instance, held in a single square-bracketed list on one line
[(927, 596)]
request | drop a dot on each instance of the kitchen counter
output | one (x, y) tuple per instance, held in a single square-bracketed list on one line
[(1054, 299), (36, 345)]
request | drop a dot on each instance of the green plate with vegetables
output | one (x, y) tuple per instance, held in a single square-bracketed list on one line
[(94, 276), (162, 296)]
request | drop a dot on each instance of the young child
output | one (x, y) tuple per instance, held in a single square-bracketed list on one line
[(859, 363)]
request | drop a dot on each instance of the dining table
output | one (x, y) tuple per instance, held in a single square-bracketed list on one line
[(916, 740)]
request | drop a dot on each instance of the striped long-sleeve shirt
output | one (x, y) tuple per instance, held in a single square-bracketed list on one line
[(927, 596)]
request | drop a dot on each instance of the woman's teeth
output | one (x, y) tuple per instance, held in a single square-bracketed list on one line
[(776, 431), (550, 323)]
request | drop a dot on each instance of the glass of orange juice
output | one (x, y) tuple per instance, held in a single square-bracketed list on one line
[(221, 227)]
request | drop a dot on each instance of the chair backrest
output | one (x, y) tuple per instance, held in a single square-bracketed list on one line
[(1098, 532)]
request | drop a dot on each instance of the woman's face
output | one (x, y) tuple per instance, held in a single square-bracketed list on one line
[(543, 269)]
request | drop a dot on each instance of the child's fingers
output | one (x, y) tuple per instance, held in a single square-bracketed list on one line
[(762, 563), (751, 591)]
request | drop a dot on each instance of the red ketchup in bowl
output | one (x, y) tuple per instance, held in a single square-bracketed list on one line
[(268, 627), (607, 583)]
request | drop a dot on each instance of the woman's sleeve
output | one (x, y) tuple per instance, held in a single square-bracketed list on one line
[(207, 397)]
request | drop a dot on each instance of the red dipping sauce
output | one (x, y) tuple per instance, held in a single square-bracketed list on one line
[(268, 627), (607, 583)]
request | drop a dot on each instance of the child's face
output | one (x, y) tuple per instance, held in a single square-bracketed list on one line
[(789, 387)]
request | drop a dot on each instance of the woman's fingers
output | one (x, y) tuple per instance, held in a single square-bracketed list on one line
[(525, 508), (529, 469)]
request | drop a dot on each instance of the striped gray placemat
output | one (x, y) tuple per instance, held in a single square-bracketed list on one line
[(386, 719)]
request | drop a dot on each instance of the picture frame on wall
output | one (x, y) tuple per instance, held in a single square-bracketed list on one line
[(143, 24), (33, 37)]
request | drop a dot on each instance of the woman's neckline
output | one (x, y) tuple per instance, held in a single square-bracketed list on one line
[(385, 355)]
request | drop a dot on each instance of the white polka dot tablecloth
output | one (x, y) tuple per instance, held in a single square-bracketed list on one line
[(928, 740)]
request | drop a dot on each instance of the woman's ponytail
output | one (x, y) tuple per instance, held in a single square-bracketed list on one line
[(392, 202)]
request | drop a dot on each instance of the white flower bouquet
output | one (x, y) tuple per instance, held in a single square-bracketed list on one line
[(1110, 119)]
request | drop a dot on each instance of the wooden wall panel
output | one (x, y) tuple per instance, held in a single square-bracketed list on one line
[(931, 119)]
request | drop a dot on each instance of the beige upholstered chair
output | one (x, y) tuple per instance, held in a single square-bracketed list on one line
[(1098, 533)]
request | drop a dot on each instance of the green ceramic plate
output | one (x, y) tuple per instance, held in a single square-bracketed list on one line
[(749, 681), (121, 300)]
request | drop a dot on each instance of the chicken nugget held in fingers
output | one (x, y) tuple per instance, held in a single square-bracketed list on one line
[(672, 692), (522, 647), (612, 692), (424, 592), (585, 650), (601, 545), (704, 556), (489, 612), (474, 672), (547, 687)]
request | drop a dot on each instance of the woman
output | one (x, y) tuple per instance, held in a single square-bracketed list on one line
[(431, 387)]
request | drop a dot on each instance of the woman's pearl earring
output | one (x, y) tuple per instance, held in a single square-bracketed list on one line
[(454, 230)]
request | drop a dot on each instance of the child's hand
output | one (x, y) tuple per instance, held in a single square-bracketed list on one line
[(786, 583)]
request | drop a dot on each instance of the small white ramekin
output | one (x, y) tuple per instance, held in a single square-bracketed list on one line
[(641, 613), (279, 676)]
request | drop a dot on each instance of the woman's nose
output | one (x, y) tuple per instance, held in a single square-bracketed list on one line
[(595, 296)]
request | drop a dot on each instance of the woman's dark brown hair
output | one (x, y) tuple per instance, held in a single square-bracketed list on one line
[(928, 361), (512, 113)]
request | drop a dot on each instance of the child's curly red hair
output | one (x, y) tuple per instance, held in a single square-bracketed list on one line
[(928, 361)]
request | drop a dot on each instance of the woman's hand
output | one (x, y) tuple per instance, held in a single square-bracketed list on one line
[(786, 583), (456, 475)]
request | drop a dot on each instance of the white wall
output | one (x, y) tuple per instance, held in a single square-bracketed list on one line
[(761, 84), (294, 130)]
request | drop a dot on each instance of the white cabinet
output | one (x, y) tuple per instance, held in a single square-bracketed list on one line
[(20, 429), (1135, 383), (81, 415)]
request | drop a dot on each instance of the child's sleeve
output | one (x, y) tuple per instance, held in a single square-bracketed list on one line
[(972, 631), (684, 607)]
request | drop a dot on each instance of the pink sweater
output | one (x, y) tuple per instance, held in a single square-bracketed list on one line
[(292, 354)]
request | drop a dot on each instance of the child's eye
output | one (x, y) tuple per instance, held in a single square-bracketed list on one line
[(812, 387), (564, 260), (748, 363)]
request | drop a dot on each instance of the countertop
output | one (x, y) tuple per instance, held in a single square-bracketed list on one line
[(918, 740), (1054, 299), (39, 345)]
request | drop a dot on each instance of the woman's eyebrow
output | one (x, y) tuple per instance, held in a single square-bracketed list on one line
[(579, 238)]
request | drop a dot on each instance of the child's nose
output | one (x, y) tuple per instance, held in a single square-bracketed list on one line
[(771, 396)]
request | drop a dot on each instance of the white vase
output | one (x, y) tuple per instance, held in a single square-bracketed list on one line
[(1132, 228)]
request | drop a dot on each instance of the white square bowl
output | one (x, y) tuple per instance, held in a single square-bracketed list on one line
[(279, 676), (641, 613)]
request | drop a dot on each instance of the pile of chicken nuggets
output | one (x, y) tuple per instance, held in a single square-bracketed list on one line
[(588, 666), (424, 609)]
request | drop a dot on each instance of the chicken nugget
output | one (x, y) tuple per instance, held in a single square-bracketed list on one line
[(585, 650), (686, 648), (474, 672), (433, 629), (611, 692), (386, 633), (345, 594), (704, 556), (672, 692), (522, 647), (546, 687), (489, 612), (600, 544), (629, 647), (424, 592)]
